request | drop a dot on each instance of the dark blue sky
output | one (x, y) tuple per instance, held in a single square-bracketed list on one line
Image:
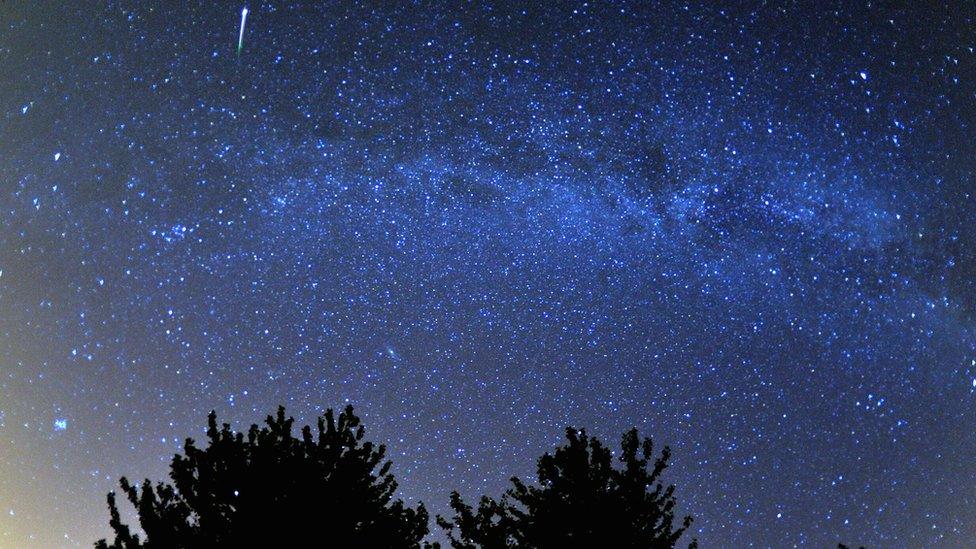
[(748, 231)]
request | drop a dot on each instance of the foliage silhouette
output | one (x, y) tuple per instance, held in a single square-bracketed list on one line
[(270, 489), (581, 501)]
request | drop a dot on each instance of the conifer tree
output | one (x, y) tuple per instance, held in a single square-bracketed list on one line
[(268, 488), (581, 500)]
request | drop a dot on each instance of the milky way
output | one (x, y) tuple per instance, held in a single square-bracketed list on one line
[(748, 231)]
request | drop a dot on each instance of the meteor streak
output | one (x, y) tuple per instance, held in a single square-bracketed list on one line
[(240, 36)]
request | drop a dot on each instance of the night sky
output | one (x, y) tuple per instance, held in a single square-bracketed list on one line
[(749, 231)]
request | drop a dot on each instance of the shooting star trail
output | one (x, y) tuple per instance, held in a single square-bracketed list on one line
[(240, 36)]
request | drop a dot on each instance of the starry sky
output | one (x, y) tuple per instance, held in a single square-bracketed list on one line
[(747, 229)]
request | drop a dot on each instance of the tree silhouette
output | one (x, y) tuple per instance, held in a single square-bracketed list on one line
[(270, 489), (581, 501)]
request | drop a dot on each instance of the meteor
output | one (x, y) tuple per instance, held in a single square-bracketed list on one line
[(240, 36)]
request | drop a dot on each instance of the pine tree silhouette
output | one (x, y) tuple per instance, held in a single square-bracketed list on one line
[(581, 501), (270, 489)]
